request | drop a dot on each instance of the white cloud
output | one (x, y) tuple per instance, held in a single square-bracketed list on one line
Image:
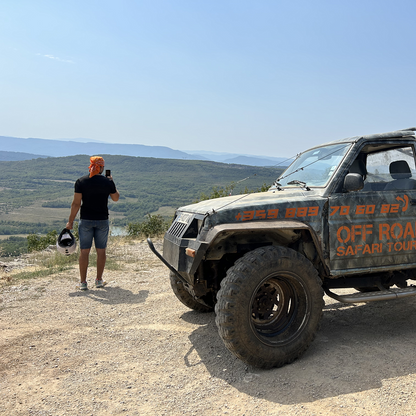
[(56, 58)]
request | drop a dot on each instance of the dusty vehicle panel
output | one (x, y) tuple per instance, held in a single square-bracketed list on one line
[(372, 231), (341, 216)]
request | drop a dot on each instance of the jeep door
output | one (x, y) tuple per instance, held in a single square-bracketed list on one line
[(375, 228)]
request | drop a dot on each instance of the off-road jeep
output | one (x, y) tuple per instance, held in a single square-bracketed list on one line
[(343, 215)]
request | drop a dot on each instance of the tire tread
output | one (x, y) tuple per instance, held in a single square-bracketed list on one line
[(233, 284)]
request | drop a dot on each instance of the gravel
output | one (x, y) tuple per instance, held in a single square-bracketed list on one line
[(132, 348)]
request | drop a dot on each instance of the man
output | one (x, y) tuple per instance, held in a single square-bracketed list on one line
[(91, 195)]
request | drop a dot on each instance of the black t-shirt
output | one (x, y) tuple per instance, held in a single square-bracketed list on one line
[(95, 192)]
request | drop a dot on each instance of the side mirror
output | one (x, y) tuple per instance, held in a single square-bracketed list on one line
[(353, 182)]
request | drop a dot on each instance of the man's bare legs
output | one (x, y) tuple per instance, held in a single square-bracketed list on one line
[(84, 260), (83, 263), (101, 258)]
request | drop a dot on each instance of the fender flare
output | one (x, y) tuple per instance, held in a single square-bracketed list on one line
[(261, 226)]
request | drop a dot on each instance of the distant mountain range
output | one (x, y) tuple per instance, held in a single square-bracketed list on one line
[(240, 159), (15, 156), (10, 150)]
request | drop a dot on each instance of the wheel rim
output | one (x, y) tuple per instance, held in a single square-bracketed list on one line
[(278, 309)]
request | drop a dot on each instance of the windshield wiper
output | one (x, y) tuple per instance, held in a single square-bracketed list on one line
[(296, 182)]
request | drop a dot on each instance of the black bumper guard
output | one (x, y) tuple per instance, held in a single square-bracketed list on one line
[(160, 257)]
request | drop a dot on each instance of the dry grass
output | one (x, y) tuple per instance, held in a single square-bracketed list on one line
[(49, 262), (36, 213), (5, 237)]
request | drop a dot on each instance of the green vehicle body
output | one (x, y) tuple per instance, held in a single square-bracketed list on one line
[(347, 207)]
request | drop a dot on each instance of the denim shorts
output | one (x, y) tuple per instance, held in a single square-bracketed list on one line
[(92, 229)]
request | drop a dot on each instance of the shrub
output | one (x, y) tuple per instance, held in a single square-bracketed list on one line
[(155, 225), (13, 246), (219, 192), (36, 242), (263, 188)]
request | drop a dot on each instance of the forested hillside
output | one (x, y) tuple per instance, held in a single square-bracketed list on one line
[(14, 156), (35, 195)]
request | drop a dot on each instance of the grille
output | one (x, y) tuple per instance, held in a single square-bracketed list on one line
[(177, 228)]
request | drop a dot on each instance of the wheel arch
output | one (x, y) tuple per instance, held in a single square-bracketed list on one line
[(240, 238)]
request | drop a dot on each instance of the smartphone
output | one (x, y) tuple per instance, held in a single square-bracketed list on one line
[(107, 173)]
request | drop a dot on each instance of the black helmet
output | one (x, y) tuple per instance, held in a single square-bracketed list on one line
[(66, 243)]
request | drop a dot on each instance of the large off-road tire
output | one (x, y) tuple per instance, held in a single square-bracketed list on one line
[(185, 297), (269, 306)]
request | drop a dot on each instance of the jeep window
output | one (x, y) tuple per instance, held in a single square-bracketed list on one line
[(391, 169), (314, 167)]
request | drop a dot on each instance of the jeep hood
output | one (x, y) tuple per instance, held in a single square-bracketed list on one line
[(231, 206)]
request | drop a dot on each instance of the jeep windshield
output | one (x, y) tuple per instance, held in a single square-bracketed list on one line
[(314, 167)]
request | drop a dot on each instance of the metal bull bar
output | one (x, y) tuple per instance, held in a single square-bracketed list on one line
[(160, 257)]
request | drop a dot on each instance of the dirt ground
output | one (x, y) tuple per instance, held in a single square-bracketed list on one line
[(133, 349)]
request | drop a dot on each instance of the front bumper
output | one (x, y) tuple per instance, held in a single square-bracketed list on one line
[(184, 233), (160, 257)]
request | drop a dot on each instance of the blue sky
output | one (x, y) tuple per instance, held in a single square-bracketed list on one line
[(253, 77)]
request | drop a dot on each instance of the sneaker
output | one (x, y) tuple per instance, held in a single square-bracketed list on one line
[(83, 286), (100, 283)]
